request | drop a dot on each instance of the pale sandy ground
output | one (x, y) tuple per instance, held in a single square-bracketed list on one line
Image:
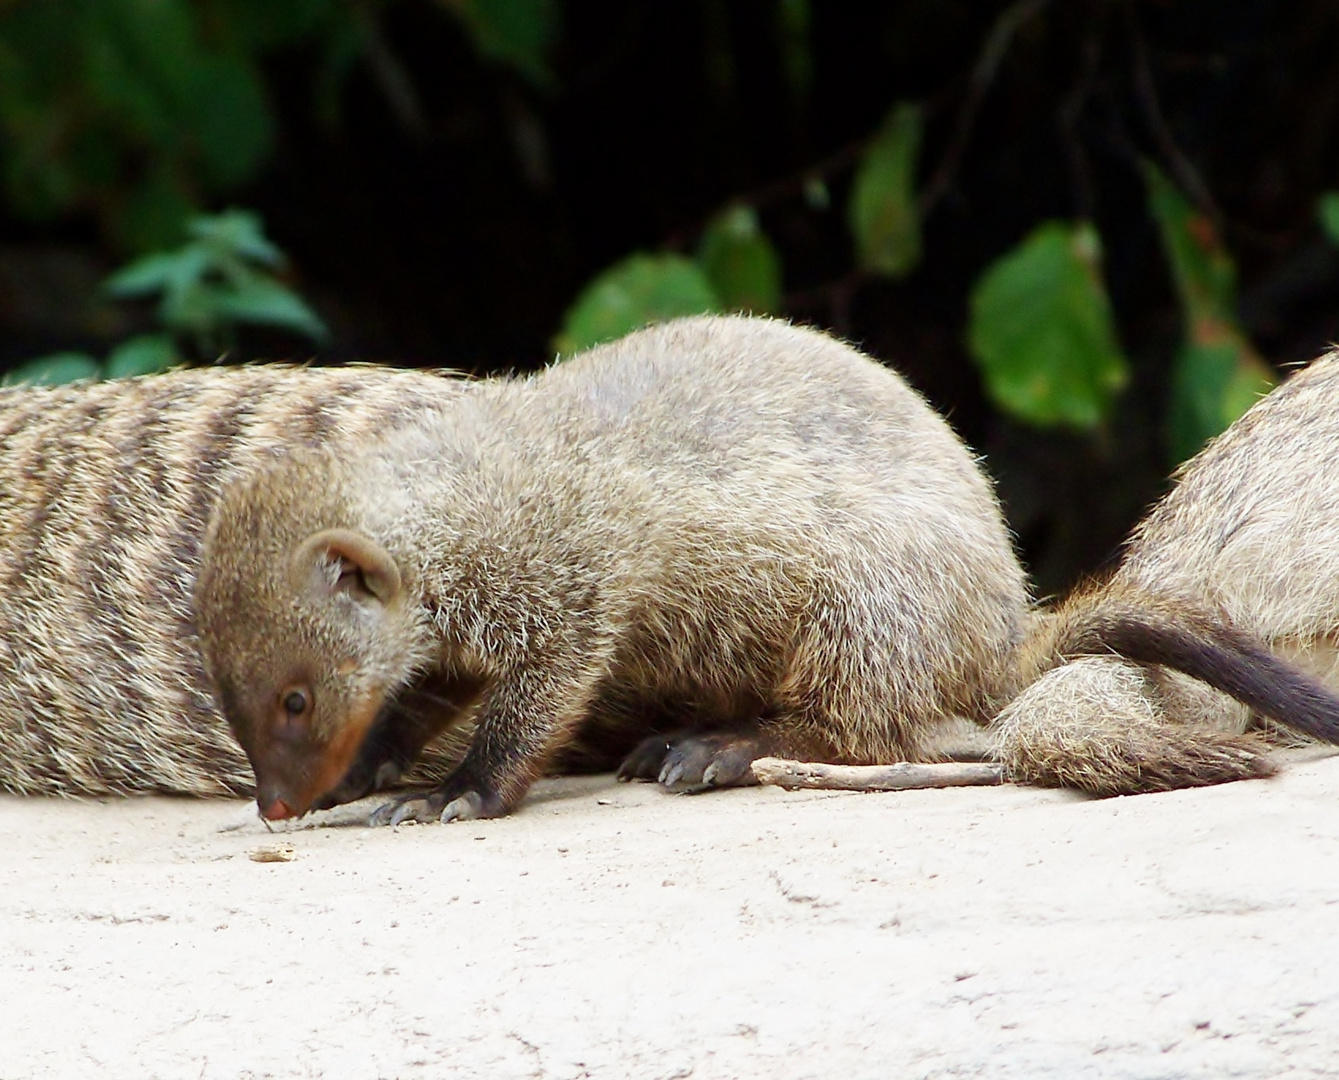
[(612, 931)]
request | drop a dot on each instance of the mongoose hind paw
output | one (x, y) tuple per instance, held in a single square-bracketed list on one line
[(647, 758), (687, 762), (700, 763)]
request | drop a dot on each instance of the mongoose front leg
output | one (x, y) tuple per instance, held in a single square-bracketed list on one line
[(522, 718), (399, 736), (390, 748)]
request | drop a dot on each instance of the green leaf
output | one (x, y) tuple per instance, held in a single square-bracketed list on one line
[(139, 61), (142, 355), (54, 369), (212, 283), (1205, 276), (1213, 383), (639, 290), (1218, 373), (263, 301), (883, 215), (1042, 331), (154, 214), (520, 33), (1327, 211), (741, 262), (147, 274), (261, 24), (238, 232)]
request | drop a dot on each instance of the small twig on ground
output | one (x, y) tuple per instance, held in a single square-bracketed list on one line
[(903, 776)]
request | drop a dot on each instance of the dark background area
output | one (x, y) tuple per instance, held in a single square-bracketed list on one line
[(453, 222)]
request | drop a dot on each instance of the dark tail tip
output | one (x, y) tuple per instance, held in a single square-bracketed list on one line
[(1215, 653)]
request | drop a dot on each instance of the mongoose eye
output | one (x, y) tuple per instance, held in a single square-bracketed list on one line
[(296, 702), (292, 718)]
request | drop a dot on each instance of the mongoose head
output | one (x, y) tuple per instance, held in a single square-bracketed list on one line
[(306, 628)]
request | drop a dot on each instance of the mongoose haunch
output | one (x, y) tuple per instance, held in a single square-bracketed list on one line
[(105, 490), (1249, 533), (724, 525)]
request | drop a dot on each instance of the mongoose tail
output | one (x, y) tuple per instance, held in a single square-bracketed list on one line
[(1088, 719), (1208, 649)]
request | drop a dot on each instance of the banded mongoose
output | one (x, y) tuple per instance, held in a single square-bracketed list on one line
[(105, 489), (1249, 533), (721, 524)]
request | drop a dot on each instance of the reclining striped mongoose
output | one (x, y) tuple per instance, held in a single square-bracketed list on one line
[(730, 536), (1249, 533), (105, 490)]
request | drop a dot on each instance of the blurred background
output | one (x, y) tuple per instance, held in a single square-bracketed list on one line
[(1090, 231)]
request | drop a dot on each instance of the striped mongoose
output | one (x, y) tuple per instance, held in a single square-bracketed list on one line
[(1249, 532), (105, 489), (735, 531)]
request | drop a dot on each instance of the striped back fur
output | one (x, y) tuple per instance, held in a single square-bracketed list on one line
[(105, 490)]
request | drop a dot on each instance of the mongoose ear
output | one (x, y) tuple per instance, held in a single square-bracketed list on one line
[(341, 560)]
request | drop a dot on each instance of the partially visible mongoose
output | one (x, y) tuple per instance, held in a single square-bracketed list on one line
[(1249, 534), (105, 490), (727, 525)]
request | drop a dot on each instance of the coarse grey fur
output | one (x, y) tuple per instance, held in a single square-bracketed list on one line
[(722, 524), (1250, 533), (105, 489)]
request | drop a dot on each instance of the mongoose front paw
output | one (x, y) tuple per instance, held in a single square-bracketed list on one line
[(437, 806), (408, 808)]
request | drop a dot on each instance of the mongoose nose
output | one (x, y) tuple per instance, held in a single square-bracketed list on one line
[(276, 811)]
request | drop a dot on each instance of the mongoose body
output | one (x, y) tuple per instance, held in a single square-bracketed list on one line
[(105, 490), (724, 525), (1250, 533)]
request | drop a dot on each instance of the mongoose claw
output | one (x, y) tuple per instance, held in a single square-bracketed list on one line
[(415, 810), (647, 758), (436, 806), (466, 807), (405, 808), (702, 762)]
